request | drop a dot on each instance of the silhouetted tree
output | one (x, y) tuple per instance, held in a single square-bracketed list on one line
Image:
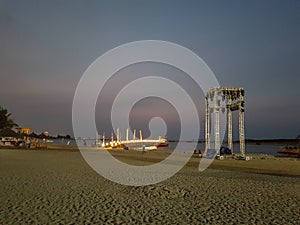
[(5, 121)]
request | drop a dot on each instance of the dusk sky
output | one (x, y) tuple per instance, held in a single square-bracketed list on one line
[(45, 47)]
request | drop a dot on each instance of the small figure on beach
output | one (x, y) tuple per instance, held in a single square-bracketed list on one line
[(200, 153), (143, 149), (28, 143)]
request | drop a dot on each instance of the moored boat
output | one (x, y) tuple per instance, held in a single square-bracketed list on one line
[(149, 144)]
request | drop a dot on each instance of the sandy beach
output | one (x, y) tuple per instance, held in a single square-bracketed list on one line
[(58, 187)]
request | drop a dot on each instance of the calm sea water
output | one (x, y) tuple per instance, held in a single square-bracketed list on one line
[(250, 148)]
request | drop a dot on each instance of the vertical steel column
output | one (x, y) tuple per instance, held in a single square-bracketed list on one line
[(241, 125), (229, 123), (207, 121), (217, 120)]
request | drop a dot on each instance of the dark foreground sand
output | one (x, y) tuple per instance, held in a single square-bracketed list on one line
[(52, 187)]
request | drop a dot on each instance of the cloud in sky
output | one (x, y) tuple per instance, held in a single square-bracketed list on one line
[(45, 46)]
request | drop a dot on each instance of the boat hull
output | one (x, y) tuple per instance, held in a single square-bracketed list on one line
[(148, 144)]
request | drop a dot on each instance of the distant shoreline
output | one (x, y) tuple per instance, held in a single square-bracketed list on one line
[(279, 141), (273, 141)]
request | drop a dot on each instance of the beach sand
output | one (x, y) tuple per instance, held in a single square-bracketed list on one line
[(55, 186)]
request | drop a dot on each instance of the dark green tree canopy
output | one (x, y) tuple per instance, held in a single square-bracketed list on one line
[(6, 122)]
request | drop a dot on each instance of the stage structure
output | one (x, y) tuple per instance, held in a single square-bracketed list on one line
[(224, 99)]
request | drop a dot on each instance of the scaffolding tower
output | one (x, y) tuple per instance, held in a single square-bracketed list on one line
[(226, 100)]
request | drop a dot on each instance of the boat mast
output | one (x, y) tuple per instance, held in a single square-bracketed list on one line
[(141, 135), (127, 134)]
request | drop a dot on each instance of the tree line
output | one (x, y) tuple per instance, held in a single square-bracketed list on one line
[(8, 123)]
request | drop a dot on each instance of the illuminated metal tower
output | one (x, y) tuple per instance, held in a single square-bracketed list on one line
[(226, 100)]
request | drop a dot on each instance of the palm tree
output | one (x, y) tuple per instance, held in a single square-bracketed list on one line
[(5, 121)]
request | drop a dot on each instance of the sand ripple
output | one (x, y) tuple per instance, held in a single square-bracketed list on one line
[(60, 188)]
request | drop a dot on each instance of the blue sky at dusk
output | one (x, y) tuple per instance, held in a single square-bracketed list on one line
[(45, 47)]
